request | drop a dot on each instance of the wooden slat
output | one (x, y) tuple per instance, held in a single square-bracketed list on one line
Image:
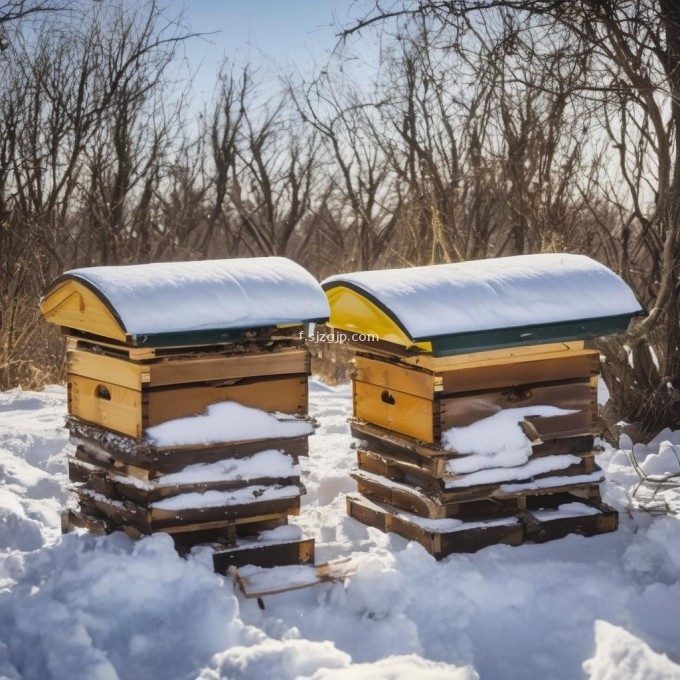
[(398, 469), (430, 460), (381, 436), (108, 369), (327, 572), (96, 524), (560, 427), (120, 450), (252, 341), (405, 498), (287, 394), (573, 445), (127, 513), (587, 490), (460, 411), (480, 374), (433, 364), (265, 555), (545, 367), (161, 519), (283, 362), (527, 528), (432, 468), (392, 487), (438, 544), (395, 377), (239, 524), (398, 411), (75, 341), (121, 487), (551, 528)]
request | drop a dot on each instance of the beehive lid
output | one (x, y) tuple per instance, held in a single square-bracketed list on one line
[(182, 303), (483, 304)]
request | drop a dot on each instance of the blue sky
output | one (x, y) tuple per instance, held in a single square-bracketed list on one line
[(271, 34)]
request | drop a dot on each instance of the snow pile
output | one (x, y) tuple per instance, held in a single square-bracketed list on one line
[(565, 510), (496, 441), (555, 481), (444, 525), (227, 421), (505, 292), (275, 660), (217, 499), (665, 462), (536, 466), (270, 463), (618, 654), (171, 297), (399, 668), (88, 608)]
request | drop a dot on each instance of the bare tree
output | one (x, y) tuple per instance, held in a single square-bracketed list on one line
[(627, 78), (82, 145), (265, 170), (367, 193)]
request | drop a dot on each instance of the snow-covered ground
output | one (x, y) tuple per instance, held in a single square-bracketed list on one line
[(99, 608)]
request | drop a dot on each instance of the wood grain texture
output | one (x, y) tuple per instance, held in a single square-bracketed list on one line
[(132, 412), (437, 544), (182, 370), (427, 361), (398, 411), (479, 374), (527, 528), (263, 555), (463, 410), (396, 377)]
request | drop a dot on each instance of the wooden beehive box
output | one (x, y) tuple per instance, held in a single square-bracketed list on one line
[(445, 346), (152, 343), (424, 400)]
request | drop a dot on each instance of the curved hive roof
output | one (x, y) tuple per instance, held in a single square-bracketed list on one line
[(484, 303), (147, 302)]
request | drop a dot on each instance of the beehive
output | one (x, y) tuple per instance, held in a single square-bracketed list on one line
[(152, 343), (160, 345), (439, 349)]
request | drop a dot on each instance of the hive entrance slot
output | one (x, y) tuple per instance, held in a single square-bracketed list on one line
[(102, 392), (387, 398), (517, 394)]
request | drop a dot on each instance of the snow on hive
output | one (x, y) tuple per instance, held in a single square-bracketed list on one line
[(525, 292), (176, 297), (227, 421)]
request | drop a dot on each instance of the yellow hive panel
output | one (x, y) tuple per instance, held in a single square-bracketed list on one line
[(352, 312), (73, 305)]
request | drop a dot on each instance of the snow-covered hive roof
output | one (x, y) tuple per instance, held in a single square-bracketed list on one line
[(483, 304), (157, 304)]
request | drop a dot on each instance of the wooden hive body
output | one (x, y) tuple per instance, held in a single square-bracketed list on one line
[(424, 398), (153, 343), (127, 395)]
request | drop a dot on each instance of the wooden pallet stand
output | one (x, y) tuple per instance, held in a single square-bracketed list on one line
[(265, 555), (444, 537)]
